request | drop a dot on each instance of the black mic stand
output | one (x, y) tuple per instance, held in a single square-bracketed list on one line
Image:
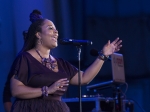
[(79, 77), (117, 97)]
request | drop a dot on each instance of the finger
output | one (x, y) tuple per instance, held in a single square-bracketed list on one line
[(117, 50), (118, 43), (61, 89), (64, 79), (63, 84), (60, 80), (60, 85), (115, 41), (119, 47), (108, 42)]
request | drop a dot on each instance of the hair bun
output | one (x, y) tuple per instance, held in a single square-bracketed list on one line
[(35, 15)]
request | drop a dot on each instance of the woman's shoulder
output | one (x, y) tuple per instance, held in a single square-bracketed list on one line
[(23, 54), (20, 59), (61, 60)]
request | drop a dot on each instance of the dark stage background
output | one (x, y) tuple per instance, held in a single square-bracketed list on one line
[(95, 20)]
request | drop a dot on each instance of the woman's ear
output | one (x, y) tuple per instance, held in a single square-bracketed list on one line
[(38, 35)]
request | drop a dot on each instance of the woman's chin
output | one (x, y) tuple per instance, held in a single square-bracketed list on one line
[(54, 46)]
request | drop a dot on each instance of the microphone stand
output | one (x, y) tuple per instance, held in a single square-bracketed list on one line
[(79, 77)]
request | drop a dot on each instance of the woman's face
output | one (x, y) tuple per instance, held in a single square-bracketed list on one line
[(49, 34)]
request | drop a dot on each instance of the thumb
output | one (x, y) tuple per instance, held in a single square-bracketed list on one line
[(108, 42)]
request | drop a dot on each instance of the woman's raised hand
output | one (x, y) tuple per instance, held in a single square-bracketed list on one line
[(112, 47)]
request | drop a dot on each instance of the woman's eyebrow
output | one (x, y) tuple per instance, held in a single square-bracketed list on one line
[(49, 25)]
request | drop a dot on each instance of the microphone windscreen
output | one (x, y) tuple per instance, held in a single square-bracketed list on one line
[(94, 52)]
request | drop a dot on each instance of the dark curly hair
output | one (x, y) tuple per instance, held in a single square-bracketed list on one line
[(31, 38), (34, 16)]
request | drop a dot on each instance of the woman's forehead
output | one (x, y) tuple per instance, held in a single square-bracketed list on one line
[(48, 23)]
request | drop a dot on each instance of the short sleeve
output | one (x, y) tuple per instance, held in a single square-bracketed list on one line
[(6, 92), (69, 68), (20, 69)]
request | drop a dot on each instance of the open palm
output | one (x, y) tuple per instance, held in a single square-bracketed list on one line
[(110, 48)]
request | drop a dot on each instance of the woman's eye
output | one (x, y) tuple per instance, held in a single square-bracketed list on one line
[(50, 28)]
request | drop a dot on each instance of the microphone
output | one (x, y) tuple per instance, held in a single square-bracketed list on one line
[(75, 42), (95, 52)]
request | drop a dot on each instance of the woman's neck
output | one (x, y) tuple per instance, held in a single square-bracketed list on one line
[(44, 52)]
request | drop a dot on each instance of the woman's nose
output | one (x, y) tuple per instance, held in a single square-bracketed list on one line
[(55, 31)]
